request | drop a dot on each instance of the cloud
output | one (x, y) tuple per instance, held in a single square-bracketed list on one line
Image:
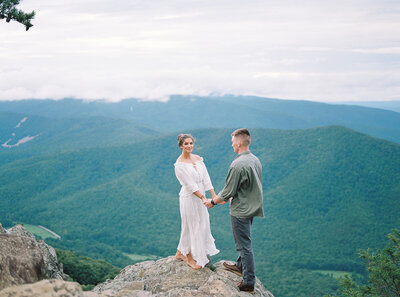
[(387, 50), (103, 49)]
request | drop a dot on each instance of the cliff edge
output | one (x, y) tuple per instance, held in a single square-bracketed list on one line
[(29, 268)]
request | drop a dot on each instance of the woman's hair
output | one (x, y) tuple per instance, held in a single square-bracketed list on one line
[(182, 137), (244, 135)]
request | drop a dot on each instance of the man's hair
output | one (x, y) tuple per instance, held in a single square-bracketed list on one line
[(244, 134)]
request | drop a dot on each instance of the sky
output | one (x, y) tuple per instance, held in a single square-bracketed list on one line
[(329, 51)]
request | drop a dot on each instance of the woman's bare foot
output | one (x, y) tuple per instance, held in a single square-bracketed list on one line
[(180, 257), (191, 262)]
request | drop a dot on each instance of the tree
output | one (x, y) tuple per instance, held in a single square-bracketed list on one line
[(383, 269), (9, 12)]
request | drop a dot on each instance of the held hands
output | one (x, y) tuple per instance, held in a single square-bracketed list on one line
[(207, 203)]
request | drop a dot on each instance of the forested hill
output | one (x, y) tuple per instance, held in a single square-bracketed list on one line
[(21, 132), (192, 112), (327, 193)]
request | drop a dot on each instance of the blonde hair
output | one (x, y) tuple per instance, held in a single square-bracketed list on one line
[(244, 135), (182, 137)]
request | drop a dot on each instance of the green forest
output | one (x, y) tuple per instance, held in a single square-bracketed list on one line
[(211, 112), (84, 270), (328, 192)]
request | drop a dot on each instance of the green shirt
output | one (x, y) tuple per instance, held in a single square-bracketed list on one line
[(244, 185)]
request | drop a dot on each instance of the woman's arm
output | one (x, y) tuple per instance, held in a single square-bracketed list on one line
[(198, 194), (212, 192)]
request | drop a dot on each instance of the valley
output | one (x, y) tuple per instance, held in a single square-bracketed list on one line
[(107, 187)]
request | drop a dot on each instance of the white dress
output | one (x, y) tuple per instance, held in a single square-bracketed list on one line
[(195, 222)]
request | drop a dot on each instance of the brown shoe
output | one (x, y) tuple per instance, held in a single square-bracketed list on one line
[(245, 288), (233, 268)]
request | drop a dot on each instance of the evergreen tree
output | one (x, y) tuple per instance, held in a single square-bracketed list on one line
[(383, 269), (9, 12)]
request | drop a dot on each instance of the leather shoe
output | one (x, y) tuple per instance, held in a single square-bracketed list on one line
[(233, 268), (245, 288)]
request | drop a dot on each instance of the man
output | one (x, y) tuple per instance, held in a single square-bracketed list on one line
[(243, 187)]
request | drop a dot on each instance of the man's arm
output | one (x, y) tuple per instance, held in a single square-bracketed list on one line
[(229, 190)]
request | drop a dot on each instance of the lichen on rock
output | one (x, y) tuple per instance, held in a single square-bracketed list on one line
[(170, 277)]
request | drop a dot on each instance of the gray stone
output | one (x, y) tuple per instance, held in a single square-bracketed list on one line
[(170, 277), (53, 268), (44, 288), (2, 230), (19, 230), (23, 259)]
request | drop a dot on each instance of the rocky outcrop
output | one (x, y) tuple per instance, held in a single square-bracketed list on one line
[(170, 277), (2, 230), (19, 230), (25, 262), (166, 277), (23, 259)]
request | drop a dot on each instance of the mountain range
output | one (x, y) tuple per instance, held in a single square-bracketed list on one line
[(393, 105), (106, 184), (193, 112)]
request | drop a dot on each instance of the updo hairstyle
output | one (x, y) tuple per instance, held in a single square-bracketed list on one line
[(182, 137)]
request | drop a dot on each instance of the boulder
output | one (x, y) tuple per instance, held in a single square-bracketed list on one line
[(19, 230), (170, 277), (53, 268), (44, 288), (57, 288), (2, 230), (23, 259)]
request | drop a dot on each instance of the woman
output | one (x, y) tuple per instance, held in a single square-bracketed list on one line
[(196, 241)]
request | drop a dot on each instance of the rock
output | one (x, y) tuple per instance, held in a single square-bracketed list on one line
[(170, 277), (23, 259), (44, 288), (53, 268), (166, 277), (2, 230), (52, 288), (98, 294), (19, 230)]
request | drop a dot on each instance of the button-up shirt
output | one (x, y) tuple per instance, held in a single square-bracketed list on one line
[(244, 185)]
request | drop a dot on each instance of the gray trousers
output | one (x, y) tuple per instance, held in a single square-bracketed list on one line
[(241, 228)]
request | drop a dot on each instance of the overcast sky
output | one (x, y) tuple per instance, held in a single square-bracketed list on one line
[(344, 50)]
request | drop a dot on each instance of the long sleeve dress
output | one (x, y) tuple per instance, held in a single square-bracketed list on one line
[(195, 222)]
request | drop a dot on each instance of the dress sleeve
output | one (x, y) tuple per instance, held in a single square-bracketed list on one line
[(231, 184), (206, 179), (185, 179)]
